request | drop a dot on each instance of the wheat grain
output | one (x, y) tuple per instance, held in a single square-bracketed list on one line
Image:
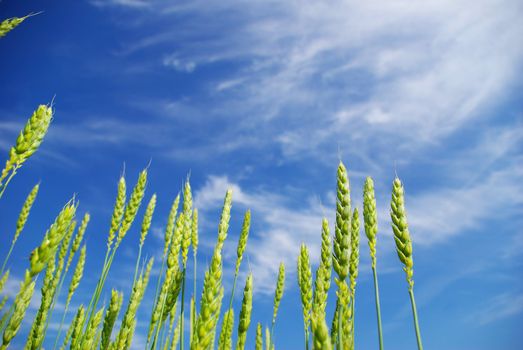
[(323, 273), (259, 337), (320, 333), (110, 318), (76, 328), (342, 229), (90, 333), (118, 210)]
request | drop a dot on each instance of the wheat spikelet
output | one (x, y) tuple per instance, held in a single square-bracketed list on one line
[(90, 333), (110, 318), (212, 293), (9, 24), (320, 333), (39, 327), (401, 230), (280, 285), (169, 230), (24, 213), (41, 255), (27, 142), (172, 295), (225, 339), (242, 242), (77, 240), (323, 273), (370, 216), (245, 314), (187, 232), (118, 210), (259, 337), (75, 330), (4, 278), (132, 206), (355, 250), (342, 230), (124, 337), (147, 218), (305, 284), (20, 306), (77, 275)]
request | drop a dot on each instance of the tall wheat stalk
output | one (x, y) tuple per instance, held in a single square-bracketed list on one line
[(370, 217), (404, 245)]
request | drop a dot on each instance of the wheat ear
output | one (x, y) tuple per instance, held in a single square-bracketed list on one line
[(245, 314), (194, 241), (404, 245), (4, 278), (110, 318), (22, 219), (27, 143), (225, 338), (20, 306), (323, 273), (320, 333), (212, 293), (278, 293), (259, 337), (146, 224), (186, 242), (9, 24), (370, 217), (305, 284)]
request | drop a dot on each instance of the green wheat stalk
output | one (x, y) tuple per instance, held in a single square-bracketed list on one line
[(370, 216), (400, 228)]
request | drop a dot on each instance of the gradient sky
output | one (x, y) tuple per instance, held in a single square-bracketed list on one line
[(265, 97)]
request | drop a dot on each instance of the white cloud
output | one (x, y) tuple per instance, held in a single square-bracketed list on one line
[(500, 307)]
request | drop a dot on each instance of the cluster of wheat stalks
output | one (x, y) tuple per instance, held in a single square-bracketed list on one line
[(93, 326)]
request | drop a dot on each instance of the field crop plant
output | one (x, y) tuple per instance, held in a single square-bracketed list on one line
[(93, 326)]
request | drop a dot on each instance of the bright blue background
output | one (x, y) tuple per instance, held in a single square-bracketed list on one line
[(265, 97)]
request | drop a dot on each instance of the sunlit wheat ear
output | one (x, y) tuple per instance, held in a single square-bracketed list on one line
[(27, 143), (4, 278), (343, 223), (355, 250), (147, 219), (75, 330), (401, 230), (194, 232), (404, 245), (118, 210), (77, 275), (21, 304), (267, 338), (323, 273), (90, 332), (225, 338), (212, 293), (187, 231), (110, 318), (320, 333), (9, 24), (259, 337), (77, 240), (245, 314), (345, 312), (305, 284), (370, 216), (132, 206), (278, 293), (171, 221), (242, 242), (41, 255)]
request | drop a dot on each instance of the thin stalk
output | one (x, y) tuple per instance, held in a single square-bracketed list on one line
[(61, 325), (194, 279), (415, 314), (13, 172), (378, 310), (137, 263), (353, 301), (182, 309), (7, 258)]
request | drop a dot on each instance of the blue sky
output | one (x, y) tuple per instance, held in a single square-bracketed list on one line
[(265, 97)]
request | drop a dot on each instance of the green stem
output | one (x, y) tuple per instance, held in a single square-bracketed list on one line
[(378, 310), (353, 301), (415, 314), (182, 309), (137, 263), (7, 258), (60, 328), (13, 173), (156, 296), (340, 337)]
